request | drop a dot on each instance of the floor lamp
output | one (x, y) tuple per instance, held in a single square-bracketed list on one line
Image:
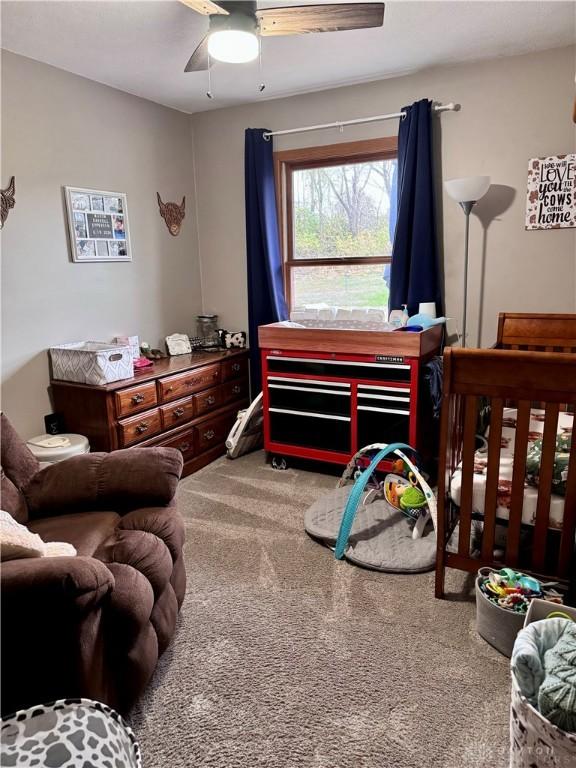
[(467, 192)]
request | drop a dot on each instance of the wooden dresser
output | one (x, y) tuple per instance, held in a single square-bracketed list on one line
[(187, 402)]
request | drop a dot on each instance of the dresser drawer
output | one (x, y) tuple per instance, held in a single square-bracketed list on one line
[(234, 368), (234, 390), (139, 427), (178, 412), (208, 400), (135, 399), (173, 387), (213, 431), (183, 443)]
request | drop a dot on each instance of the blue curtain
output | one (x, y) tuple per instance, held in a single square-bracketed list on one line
[(266, 302), (415, 274)]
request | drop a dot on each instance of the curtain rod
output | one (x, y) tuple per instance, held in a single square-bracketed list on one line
[(359, 121)]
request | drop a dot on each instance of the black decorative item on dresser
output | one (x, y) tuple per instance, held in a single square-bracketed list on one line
[(187, 402)]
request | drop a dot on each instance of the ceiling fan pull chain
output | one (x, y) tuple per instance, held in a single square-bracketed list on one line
[(262, 83), (209, 91)]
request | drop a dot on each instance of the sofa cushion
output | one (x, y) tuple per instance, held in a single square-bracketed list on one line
[(13, 500), (145, 553), (124, 480), (18, 462), (86, 531), (164, 522)]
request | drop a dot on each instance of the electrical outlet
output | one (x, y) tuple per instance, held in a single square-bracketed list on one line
[(54, 424)]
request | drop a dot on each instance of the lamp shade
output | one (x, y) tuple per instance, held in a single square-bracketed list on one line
[(469, 189)]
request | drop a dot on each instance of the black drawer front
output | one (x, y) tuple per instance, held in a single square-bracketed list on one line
[(343, 370), (328, 434), (388, 402), (314, 400), (378, 426)]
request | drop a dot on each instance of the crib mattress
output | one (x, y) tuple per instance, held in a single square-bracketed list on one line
[(565, 424)]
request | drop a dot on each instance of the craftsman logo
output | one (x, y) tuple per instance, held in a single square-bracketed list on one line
[(389, 359)]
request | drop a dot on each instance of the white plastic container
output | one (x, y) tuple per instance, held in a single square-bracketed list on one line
[(50, 449), (92, 362)]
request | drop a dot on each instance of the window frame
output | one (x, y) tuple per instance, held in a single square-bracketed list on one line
[(290, 160)]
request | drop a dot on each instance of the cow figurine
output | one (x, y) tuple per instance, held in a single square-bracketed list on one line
[(8, 201), (173, 214)]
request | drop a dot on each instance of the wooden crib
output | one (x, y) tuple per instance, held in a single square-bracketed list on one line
[(532, 365)]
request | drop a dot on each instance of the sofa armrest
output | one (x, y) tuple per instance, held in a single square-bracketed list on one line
[(77, 584), (121, 481)]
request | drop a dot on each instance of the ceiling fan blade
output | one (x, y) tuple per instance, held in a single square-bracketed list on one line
[(301, 19), (199, 60), (205, 7)]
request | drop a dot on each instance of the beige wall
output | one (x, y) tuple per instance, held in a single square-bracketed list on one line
[(512, 109), (59, 129)]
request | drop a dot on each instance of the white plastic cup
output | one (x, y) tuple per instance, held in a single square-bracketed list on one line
[(427, 308)]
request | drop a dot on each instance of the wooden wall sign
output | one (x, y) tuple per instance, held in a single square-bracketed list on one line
[(551, 197), (8, 201), (173, 214)]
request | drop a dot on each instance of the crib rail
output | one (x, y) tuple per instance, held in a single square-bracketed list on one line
[(537, 332), (505, 378)]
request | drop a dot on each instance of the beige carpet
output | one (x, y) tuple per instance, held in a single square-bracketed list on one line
[(286, 658)]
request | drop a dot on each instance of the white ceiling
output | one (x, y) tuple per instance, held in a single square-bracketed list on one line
[(142, 46)]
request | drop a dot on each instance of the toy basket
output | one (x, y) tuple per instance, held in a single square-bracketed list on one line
[(498, 626)]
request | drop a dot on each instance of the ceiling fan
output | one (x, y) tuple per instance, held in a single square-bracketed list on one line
[(236, 25)]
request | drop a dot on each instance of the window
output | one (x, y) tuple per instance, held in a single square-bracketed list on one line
[(334, 207)]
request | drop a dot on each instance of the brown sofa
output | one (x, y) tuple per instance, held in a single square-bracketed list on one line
[(92, 625)]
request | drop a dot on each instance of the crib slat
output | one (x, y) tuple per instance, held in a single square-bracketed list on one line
[(545, 486), (518, 476), (492, 474), (468, 445), (569, 520)]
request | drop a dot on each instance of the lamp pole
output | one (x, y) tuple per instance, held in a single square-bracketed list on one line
[(466, 207), (467, 191)]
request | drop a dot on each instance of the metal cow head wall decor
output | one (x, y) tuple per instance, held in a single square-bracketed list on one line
[(173, 214), (8, 201)]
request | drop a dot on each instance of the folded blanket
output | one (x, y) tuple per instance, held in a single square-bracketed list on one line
[(544, 666), (17, 541), (557, 694)]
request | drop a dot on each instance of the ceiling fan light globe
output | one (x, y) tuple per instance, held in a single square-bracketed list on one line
[(233, 46)]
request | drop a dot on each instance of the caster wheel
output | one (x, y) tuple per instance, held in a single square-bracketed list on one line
[(279, 462)]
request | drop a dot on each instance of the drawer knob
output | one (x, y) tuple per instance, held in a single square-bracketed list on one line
[(210, 399), (137, 399), (184, 447), (142, 427), (236, 367), (170, 389), (209, 434), (178, 412), (236, 389)]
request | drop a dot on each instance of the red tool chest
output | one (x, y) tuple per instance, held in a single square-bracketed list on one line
[(327, 393)]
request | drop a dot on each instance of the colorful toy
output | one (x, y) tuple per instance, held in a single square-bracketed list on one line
[(380, 524)]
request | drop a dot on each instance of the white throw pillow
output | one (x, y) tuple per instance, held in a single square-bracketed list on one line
[(16, 541)]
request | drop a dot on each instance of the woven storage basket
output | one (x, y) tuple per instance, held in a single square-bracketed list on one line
[(92, 362), (534, 741), (496, 625)]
